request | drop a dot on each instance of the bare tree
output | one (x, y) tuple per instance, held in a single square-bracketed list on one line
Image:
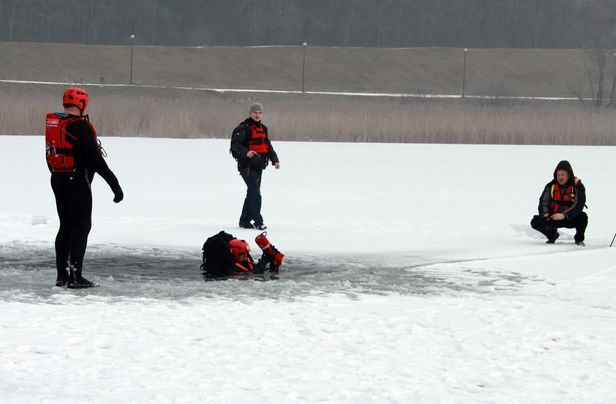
[(597, 80), (154, 5), (12, 13), (612, 97)]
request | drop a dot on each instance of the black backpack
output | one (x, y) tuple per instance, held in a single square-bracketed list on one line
[(240, 127), (217, 257), (257, 162)]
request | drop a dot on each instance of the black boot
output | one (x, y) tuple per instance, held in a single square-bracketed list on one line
[(76, 281), (552, 238), (62, 278)]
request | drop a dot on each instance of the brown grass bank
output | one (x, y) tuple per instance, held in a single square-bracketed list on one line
[(491, 72), (135, 111)]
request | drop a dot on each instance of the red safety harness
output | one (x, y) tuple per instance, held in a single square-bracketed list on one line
[(247, 267), (566, 200), (60, 152), (258, 139)]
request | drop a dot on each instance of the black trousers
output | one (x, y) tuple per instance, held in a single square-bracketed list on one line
[(74, 205), (251, 210), (549, 227)]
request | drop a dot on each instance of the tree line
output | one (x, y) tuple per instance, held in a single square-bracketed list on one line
[(382, 23)]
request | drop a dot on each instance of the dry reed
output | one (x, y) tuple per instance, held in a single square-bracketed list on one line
[(197, 114)]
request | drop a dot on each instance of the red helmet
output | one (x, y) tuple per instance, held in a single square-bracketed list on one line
[(238, 247), (76, 96)]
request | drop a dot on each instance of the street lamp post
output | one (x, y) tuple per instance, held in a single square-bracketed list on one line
[(303, 64), (464, 74), (132, 41)]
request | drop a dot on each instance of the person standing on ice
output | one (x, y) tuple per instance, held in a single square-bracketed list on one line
[(74, 155), (561, 205), (251, 147)]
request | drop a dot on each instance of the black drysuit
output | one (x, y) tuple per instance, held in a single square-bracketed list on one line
[(74, 196)]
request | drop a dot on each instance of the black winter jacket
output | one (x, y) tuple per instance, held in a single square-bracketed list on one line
[(580, 194), (239, 147)]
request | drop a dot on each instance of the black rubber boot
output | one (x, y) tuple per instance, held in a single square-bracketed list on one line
[(76, 281), (552, 238), (62, 278)]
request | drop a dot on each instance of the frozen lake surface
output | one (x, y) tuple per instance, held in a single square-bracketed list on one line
[(410, 275)]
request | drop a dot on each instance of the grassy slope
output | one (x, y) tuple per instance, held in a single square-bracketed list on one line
[(164, 112), (168, 112), (502, 72)]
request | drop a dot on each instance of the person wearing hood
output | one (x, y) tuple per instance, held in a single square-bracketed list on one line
[(251, 147), (561, 205)]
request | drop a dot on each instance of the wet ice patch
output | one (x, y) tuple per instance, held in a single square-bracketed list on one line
[(27, 273)]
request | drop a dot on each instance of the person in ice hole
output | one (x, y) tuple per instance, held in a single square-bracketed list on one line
[(225, 256)]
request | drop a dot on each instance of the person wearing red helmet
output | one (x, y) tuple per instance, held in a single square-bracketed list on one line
[(74, 155), (240, 250), (225, 256)]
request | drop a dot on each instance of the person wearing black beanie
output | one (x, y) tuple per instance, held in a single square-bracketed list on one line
[(561, 205)]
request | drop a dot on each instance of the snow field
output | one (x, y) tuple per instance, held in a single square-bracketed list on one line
[(536, 323)]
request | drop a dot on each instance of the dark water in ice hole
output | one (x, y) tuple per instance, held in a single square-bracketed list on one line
[(27, 273)]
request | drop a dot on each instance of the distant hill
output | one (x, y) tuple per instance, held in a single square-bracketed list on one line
[(492, 72)]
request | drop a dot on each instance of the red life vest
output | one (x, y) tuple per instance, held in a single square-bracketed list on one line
[(60, 152), (240, 250), (258, 139), (245, 266), (558, 199)]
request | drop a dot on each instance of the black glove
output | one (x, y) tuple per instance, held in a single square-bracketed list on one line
[(118, 195), (261, 265)]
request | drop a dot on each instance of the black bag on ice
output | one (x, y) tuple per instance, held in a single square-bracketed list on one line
[(217, 258)]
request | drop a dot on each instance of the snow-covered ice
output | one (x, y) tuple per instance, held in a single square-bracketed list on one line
[(409, 277)]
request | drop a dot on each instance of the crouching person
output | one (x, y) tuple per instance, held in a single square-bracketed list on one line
[(225, 256), (561, 205)]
